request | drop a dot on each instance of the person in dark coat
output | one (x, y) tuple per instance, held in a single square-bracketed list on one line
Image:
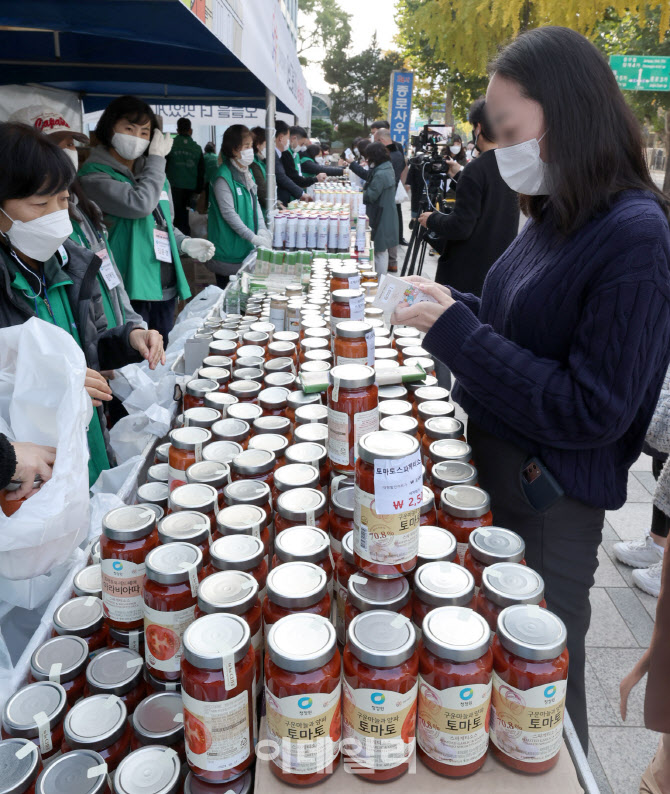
[(287, 189), (485, 218), (311, 167)]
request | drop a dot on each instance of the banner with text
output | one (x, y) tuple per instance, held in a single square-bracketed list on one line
[(400, 105)]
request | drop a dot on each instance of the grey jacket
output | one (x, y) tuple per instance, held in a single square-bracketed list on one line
[(379, 200), (136, 200)]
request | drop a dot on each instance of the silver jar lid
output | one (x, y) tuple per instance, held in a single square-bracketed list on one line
[(346, 295), (395, 408), (198, 387), (531, 632), (18, 716), (508, 583), (154, 719), (249, 370), (491, 545), (95, 722), (296, 475), (172, 563), (247, 492), (405, 332), (302, 643), (273, 398), (307, 414), (210, 637), (439, 427), (222, 451), (352, 329), (297, 584), (281, 349), (73, 773), (235, 592), (310, 452), (429, 393), (201, 417), (115, 671), (219, 374), (88, 581), (187, 526), (250, 350), (444, 584), (231, 429), (381, 639), (465, 501), (310, 344), (244, 519), (342, 501), (194, 496), (70, 652), (450, 449), (385, 354), (312, 433), (275, 425), (246, 389), (208, 472), (190, 438), (128, 523), (456, 634), (348, 548), (436, 409), (428, 501), (298, 398), (435, 545), (80, 616), (265, 327), (227, 335), (399, 424), (314, 365), (162, 452), (394, 392), (149, 770), (225, 362), (220, 401), (367, 593), (453, 472), (155, 493), (158, 473), (302, 543), (352, 376), (301, 504), (386, 444), (252, 462), (256, 338), (283, 377), (237, 553), (18, 774)]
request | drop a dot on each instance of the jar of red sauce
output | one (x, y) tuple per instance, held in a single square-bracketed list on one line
[(530, 671), (250, 351), (232, 429), (306, 414), (427, 509), (84, 617), (221, 451), (281, 349), (451, 472), (301, 506), (317, 361), (131, 638), (314, 433), (219, 374), (298, 398), (128, 535), (99, 723), (490, 545), (201, 417), (304, 544), (88, 581), (381, 671), (281, 374), (433, 409), (311, 322), (244, 519), (440, 584), (225, 362), (250, 492), (154, 723), (260, 338), (153, 770), (223, 348), (246, 390), (345, 277), (344, 568), (405, 332), (365, 593), (210, 472), (395, 408), (170, 597), (273, 400), (294, 475), (295, 587), (386, 357), (393, 392), (272, 425), (186, 447), (10, 506), (270, 442), (341, 518), (249, 369), (346, 304), (352, 412), (162, 452), (220, 401), (153, 493), (386, 544), (195, 497), (455, 671), (354, 343), (254, 464), (195, 391), (429, 380), (44, 700), (506, 584), (436, 545), (188, 526), (310, 345), (63, 660), (462, 509), (117, 671), (302, 681), (158, 473), (19, 774), (436, 428), (313, 452), (240, 553), (425, 394), (217, 690), (82, 771)]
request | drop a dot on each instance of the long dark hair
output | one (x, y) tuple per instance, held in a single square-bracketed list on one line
[(576, 88), (128, 107)]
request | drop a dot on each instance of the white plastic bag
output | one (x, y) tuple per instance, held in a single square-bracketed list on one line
[(401, 194), (43, 400)]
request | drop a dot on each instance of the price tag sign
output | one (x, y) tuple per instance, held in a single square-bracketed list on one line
[(107, 270), (398, 484), (357, 308), (162, 246)]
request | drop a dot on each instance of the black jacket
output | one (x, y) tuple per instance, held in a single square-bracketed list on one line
[(312, 167), (7, 461), (483, 223), (397, 160), (287, 190), (292, 172)]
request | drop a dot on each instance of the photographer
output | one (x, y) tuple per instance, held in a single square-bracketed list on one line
[(485, 218)]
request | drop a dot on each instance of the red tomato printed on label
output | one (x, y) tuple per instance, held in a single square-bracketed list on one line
[(198, 737), (163, 642)]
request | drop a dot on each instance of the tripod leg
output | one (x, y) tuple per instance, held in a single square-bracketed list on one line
[(411, 249)]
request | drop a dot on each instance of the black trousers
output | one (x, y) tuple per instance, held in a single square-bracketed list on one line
[(401, 231), (181, 199), (561, 545), (158, 315)]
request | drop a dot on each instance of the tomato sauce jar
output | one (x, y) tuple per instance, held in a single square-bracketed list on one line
[(188, 526), (354, 343), (294, 475), (314, 433), (310, 345), (240, 553), (304, 544), (341, 518), (463, 508), (352, 412), (301, 506), (220, 401), (158, 719), (296, 399), (295, 587), (249, 492), (490, 545), (128, 535), (307, 414), (303, 699), (186, 445), (436, 428), (84, 617), (170, 597), (158, 473), (219, 374), (345, 277), (440, 584), (195, 497), (77, 772), (273, 400), (452, 449), (217, 691), (151, 770), (393, 392), (436, 545), (271, 442), (196, 389), (99, 723), (506, 584), (210, 472), (427, 509), (254, 464), (19, 773), (395, 408), (346, 304), (117, 671), (313, 453), (365, 593), (36, 712), (244, 519), (121, 638), (232, 429), (222, 451), (455, 671), (246, 391), (451, 472), (530, 672), (201, 417), (63, 660), (388, 472), (380, 686), (155, 493), (433, 409), (271, 425)]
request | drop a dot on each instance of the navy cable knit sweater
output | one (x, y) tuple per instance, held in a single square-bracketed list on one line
[(565, 353)]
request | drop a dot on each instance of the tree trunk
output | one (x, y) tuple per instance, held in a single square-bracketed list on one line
[(666, 180), (449, 107)]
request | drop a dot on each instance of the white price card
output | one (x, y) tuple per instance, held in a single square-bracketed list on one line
[(398, 484), (357, 308)]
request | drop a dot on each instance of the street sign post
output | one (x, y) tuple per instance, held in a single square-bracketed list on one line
[(641, 72)]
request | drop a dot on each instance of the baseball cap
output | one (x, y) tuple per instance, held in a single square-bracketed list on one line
[(47, 121)]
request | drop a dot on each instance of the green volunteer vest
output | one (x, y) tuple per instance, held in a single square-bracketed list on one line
[(261, 164), (230, 247), (132, 243), (296, 160), (211, 166), (181, 167)]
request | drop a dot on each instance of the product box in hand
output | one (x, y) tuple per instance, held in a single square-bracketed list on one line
[(394, 290)]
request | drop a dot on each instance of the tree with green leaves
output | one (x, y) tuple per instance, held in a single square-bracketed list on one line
[(322, 129), (323, 25)]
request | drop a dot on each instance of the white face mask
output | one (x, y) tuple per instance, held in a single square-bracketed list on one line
[(302, 149), (455, 149), (246, 156), (130, 147), (522, 168), (356, 152), (261, 153), (42, 237), (72, 154)]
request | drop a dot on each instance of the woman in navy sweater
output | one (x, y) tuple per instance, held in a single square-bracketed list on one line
[(560, 362)]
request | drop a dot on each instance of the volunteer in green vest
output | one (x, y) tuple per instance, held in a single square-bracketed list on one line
[(211, 159), (258, 167), (235, 223), (132, 191), (185, 170), (44, 274)]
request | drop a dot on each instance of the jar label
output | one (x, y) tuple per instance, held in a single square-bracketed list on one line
[(345, 360), (370, 341), (379, 726), (163, 634), (341, 595), (277, 318), (217, 733), (527, 725), (364, 422), (306, 729), (386, 539), (398, 484), (357, 308), (452, 724), (122, 590), (338, 436), (354, 282), (176, 477), (461, 548)]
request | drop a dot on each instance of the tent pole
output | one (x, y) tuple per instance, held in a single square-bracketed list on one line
[(270, 108)]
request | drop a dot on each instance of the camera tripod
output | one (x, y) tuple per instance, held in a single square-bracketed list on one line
[(416, 250)]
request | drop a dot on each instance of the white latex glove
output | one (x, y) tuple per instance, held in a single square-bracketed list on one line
[(161, 144), (266, 237), (257, 240), (198, 248)]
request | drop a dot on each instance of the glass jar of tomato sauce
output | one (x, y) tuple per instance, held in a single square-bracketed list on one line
[(223, 348), (304, 544), (354, 343), (250, 492), (298, 398), (352, 412), (302, 682), (254, 464), (36, 712), (506, 584), (451, 472), (381, 670), (225, 362), (388, 474), (433, 409), (244, 519), (530, 672), (77, 772), (222, 451), (425, 394), (117, 671), (309, 346), (162, 452), (84, 617), (271, 442), (131, 638), (281, 349), (170, 597), (19, 773), (436, 428), (249, 369), (401, 424), (294, 475), (306, 414), (341, 518), (436, 545), (153, 493), (63, 660), (393, 392), (217, 690), (220, 401), (345, 277), (128, 535), (455, 671), (427, 509), (271, 425), (405, 332), (154, 723), (100, 723), (451, 449), (312, 452), (195, 391), (240, 553), (344, 568), (301, 506), (284, 379), (462, 509), (201, 417), (158, 473), (232, 429), (273, 400), (440, 584), (219, 374), (395, 408), (365, 593), (313, 321), (250, 351), (210, 472), (246, 390), (188, 526), (186, 447), (151, 770), (490, 545), (295, 587)]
